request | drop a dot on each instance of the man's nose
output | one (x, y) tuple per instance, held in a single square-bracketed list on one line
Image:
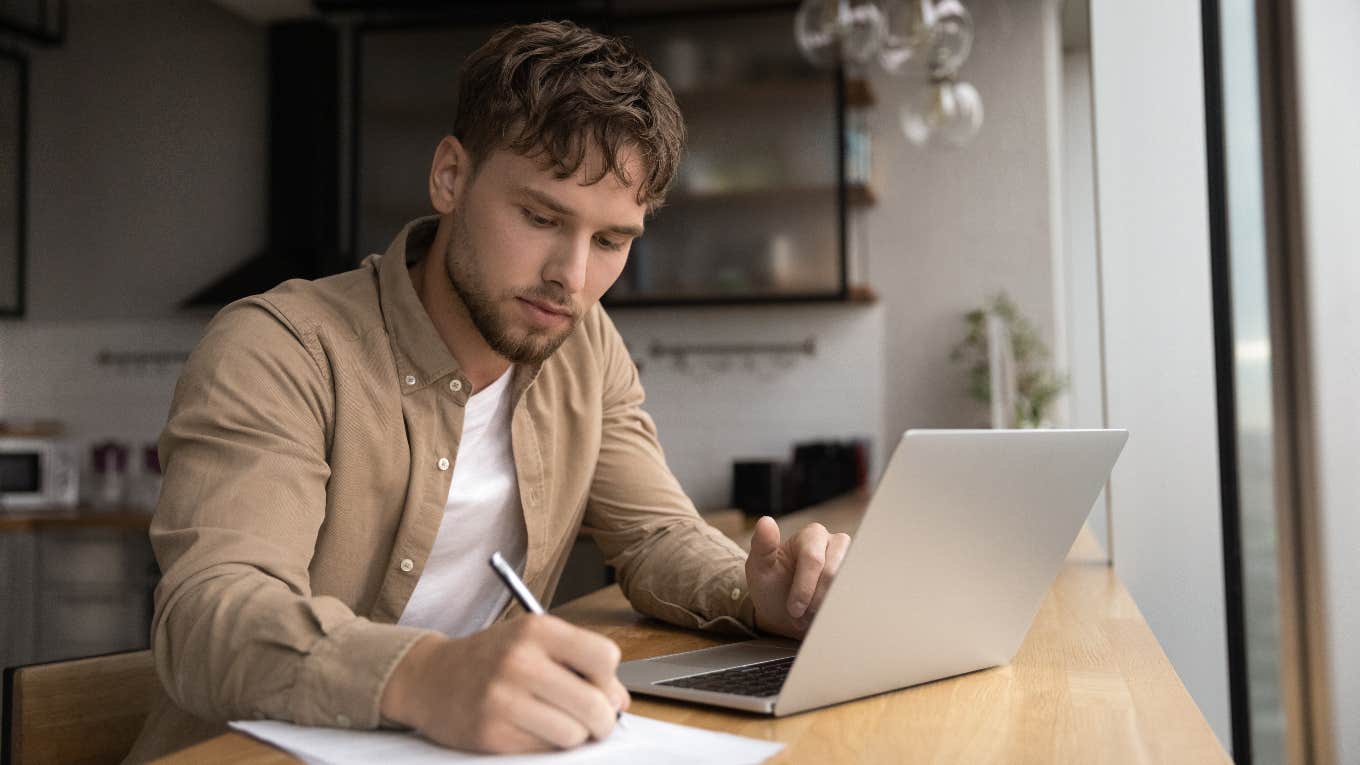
[(567, 265)]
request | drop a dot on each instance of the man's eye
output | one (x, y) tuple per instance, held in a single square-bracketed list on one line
[(536, 219), (609, 244)]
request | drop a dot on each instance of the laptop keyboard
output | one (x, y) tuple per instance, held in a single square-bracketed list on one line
[(763, 679)]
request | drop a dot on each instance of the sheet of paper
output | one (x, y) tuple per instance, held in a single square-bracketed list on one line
[(639, 739)]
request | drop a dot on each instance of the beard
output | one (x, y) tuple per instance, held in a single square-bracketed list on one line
[(494, 315)]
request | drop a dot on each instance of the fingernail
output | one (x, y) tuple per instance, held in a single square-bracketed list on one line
[(798, 608)]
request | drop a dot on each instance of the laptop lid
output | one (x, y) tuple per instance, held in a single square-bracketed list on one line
[(958, 546)]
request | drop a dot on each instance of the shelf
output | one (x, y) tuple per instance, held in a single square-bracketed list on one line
[(855, 196), (858, 95), (855, 295)]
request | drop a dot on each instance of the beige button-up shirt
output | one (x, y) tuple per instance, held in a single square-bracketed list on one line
[(306, 475)]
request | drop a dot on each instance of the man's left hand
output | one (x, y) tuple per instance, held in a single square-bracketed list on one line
[(788, 581)]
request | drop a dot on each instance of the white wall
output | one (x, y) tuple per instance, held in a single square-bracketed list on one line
[(50, 370), (1154, 242), (708, 415), (954, 227), (147, 150), (1085, 399), (1329, 123)]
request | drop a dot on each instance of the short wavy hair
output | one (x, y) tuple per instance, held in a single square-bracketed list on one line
[(556, 89)]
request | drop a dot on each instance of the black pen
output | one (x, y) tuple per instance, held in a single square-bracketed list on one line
[(527, 599)]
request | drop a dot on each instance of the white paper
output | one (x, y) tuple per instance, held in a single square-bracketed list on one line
[(639, 739)]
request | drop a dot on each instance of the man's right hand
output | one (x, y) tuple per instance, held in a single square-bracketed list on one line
[(535, 683)]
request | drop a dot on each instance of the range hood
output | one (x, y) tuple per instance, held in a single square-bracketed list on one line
[(304, 160)]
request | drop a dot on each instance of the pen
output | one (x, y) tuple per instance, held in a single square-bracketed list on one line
[(526, 598)]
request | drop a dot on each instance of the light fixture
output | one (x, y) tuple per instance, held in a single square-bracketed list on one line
[(943, 113), (950, 37), (832, 31), (929, 39)]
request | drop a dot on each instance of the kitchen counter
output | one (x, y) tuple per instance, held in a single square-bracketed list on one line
[(80, 518)]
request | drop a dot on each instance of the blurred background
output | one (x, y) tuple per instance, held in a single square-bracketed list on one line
[(891, 214)]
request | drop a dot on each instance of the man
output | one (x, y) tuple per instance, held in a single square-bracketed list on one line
[(342, 456)]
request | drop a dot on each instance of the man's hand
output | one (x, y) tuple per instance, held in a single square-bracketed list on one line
[(535, 683), (788, 582)]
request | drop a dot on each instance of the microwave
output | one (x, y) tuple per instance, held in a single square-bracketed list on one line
[(38, 474)]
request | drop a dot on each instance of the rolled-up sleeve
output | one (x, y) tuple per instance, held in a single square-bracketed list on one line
[(671, 564), (238, 632)]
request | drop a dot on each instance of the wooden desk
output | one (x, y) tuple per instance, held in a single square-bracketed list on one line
[(1090, 684)]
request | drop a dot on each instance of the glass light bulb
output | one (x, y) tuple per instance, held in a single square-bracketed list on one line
[(906, 30), (951, 38), (862, 29), (816, 27), (827, 30), (942, 113)]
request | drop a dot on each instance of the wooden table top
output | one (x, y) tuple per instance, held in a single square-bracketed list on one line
[(1090, 684)]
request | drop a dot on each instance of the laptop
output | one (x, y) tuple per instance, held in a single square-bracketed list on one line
[(956, 550)]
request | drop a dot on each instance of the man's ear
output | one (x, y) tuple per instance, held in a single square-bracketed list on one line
[(448, 174)]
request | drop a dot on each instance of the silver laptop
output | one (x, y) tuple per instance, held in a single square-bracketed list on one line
[(962, 539)]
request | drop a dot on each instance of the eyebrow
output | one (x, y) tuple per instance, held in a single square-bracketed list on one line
[(561, 209)]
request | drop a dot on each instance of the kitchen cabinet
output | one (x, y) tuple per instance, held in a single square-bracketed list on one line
[(759, 207), (74, 585)]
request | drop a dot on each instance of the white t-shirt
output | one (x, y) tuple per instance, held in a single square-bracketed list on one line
[(458, 593)]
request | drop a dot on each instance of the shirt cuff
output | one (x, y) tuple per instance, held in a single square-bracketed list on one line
[(343, 677)]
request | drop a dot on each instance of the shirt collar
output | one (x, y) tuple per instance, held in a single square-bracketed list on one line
[(419, 350)]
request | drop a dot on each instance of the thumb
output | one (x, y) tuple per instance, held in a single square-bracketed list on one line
[(765, 538)]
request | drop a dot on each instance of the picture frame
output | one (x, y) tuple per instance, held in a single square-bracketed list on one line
[(37, 21), (13, 181)]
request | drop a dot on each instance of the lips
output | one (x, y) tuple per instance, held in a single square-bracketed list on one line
[(546, 315), (548, 307)]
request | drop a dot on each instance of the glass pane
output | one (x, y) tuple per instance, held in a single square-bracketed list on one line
[(1252, 372), (754, 210)]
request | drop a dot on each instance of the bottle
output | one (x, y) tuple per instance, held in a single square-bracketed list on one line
[(147, 489), (110, 476)]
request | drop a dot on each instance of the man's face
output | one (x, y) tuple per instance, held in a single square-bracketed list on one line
[(530, 253)]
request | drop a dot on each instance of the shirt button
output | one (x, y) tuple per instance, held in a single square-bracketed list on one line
[(342, 721), (455, 385), (736, 593), (407, 564), (410, 379), (443, 463)]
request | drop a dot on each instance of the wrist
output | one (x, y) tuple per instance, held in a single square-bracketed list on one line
[(400, 704)]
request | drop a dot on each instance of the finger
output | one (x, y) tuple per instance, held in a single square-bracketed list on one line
[(809, 552), (836, 546), (594, 656), (764, 539), (547, 725), (578, 699), (506, 737)]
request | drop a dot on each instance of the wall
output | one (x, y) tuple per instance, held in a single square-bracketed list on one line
[(709, 414), (1329, 121), (52, 370), (147, 157), (147, 179), (953, 227), (1154, 246)]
